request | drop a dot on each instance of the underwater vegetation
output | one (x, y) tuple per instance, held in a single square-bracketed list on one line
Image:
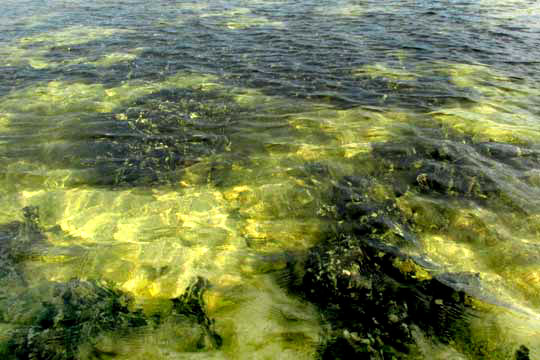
[(466, 169), (70, 320), (380, 301), (64, 47), (165, 132), (62, 316), (148, 142), (241, 18), (167, 137), (269, 179), (375, 297), (496, 104), (378, 291), (17, 240)]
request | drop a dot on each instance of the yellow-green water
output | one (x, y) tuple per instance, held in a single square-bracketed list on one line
[(236, 226)]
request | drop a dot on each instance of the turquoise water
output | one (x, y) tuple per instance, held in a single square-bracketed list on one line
[(183, 167)]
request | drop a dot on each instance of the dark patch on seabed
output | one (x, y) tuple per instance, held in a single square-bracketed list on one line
[(168, 131), (381, 302), (149, 142), (458, 167), (67, 320)]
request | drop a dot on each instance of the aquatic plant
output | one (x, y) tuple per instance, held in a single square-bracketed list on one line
[(171, 130), (159, 133), (70, 36), (69, 320), (175, 326), (370, 276), (376, 299), (241, 18), (467, 169), (245, 22), (190, 308), (62, 320), (343, 134), (380, 70), (380, 297), (72, 320), (113, 58), (54, 49), (62, 316), (72, 99), (17, 239), (435, 169), (344, 10), (495, 109)]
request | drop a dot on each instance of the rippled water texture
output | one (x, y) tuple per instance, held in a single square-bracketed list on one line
[(269, 179)]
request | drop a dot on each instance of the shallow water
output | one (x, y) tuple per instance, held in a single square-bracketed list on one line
[(164, 141)]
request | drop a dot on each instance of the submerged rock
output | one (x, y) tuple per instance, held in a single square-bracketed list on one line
[(519, 157), (162, 134), (64, 320), (70, 320), (376, 299), (374, 296), (360, 213), (380, 301), (191, 306), (446, 168), (451, 168), (62, 316), (17, 239)]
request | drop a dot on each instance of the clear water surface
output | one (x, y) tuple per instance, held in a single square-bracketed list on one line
[(148, 144)]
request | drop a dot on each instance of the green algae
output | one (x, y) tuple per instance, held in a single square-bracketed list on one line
[(342, 10), (201, 223), (279, 323), (262, 207), (90, 314), (3, 123), (68, 98), (13, 56), (31, 21), (56, 98), (381, 70), (463, 234), (33, 50), (498, 111), (114, 58), (486, 122), (194, 225), (75, 35), (279, 214), (241, 18), (348, 133), (245, 22), (232, 12), (234, 217), (209, 230), (148, 258), (36, 58), (465, 239), (515, 11), (196, 6)]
